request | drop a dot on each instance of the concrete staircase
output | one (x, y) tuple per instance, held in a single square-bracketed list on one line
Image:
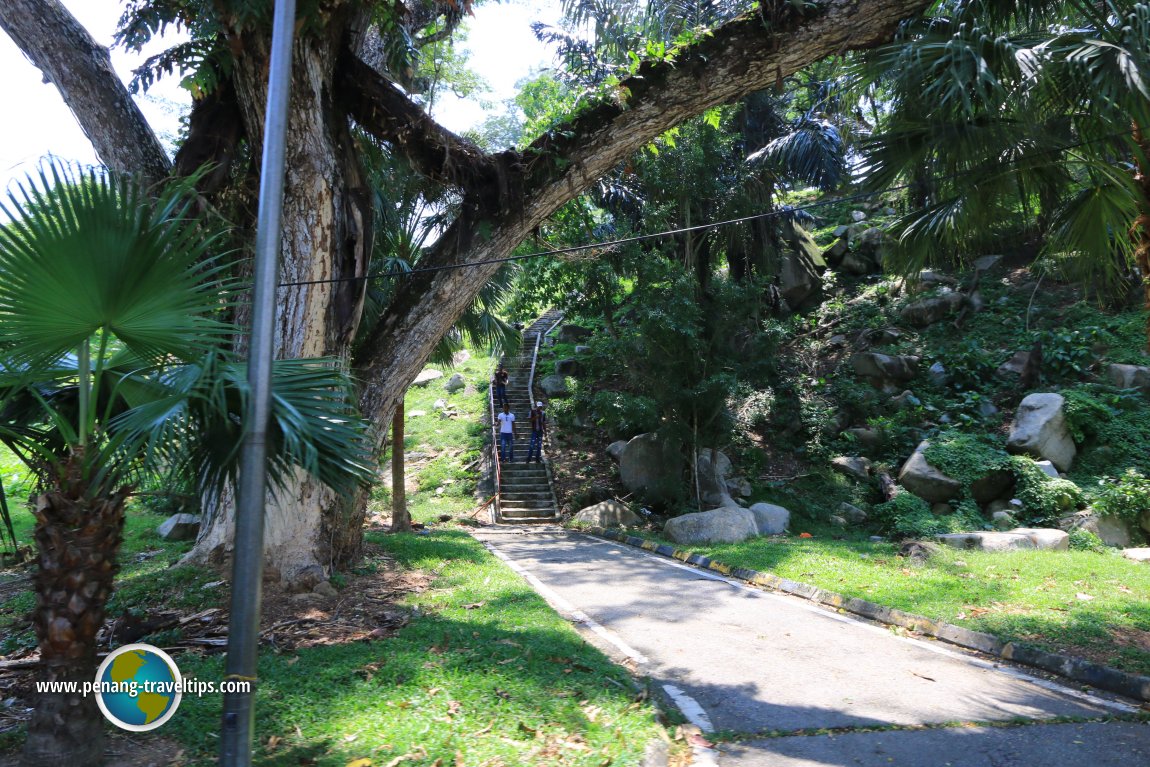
[(525, 492)]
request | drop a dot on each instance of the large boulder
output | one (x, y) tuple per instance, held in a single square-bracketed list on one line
[(179, 527), (1040, 430), (1130, 376), (928, 311), (1111, 530), (610, 513), (569, 334), (770, 519), (555, 387), (995, 484), (925, 481), (651, 466), (883, 368), (729, 524), (987, 541), (713, 477), (1045, 538)]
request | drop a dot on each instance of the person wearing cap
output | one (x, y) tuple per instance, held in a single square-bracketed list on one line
[(538, 426)]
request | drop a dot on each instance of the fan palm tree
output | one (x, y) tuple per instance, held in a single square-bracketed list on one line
[(114, 363)]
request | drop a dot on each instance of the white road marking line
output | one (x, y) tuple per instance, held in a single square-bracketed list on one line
[(563, 606), (690, 708), (861, 622)]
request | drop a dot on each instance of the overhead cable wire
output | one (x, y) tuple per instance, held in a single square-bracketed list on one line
[(682, 230)]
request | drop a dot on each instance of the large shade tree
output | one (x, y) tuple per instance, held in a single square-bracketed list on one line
[(351, 69)]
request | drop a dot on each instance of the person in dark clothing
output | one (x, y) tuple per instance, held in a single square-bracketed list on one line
[(538, 428), (499, 381)]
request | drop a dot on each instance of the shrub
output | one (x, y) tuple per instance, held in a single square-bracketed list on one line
[(623, 415), (908, 516), (1125, 497), (1084, 540), (1043, 497)]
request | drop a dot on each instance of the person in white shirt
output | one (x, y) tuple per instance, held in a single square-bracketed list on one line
[(506, 433)]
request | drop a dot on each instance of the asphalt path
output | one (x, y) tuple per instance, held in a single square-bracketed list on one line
[(780, 671)]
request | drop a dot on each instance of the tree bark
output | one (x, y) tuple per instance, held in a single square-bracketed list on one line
[(82, 71), (400, 517), (77, 542), (326, 236)]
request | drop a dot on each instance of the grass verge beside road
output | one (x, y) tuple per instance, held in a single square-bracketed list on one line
[(1083, 603)]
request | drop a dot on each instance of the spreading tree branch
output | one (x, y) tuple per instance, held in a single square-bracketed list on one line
[(82, 71), (745, 55)]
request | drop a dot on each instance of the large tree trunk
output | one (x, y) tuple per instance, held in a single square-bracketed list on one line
[(326, 223), (82, 71), (77, 539)]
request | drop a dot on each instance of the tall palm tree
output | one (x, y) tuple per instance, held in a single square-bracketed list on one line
[(114, 363)]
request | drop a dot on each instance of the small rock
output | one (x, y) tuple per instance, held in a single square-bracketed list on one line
[(1048, 468), (986, 263), (426, 376), (858, 215), (1013, 367), (1138, 555), (416, 413), (876, 539), (852, 466), (461, 356), (179, 527), (931, 310), (582, 349), (998, 505), (325, 589), (1130, 376), (840, 230), (1003, 520), (455, 383), (882, 367), (852, 513), (615, 449), (905, 401), (937, 374), (555, 387), (986, 408), (925, 481), (837, 521), (610, 513), (439, 404), (569, 367), (866, 436), (941, 509), (572, 333)]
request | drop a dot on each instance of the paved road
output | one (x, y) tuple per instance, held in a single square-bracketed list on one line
[(740, 659)]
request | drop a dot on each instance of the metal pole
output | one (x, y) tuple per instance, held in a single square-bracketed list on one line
[(248, 557)]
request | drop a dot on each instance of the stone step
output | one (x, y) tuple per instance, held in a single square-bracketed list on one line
[(522, 499), (508, 513)]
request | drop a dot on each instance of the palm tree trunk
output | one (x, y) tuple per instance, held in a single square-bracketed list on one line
[(77, 539), (400, 518)]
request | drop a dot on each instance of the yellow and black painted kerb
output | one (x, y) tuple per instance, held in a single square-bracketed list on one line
[(1078, 669)]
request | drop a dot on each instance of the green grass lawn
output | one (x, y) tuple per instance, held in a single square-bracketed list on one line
[(1095, 605), (483, 673)]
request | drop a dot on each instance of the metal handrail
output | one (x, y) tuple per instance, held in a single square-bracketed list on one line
[(535, 358), (495, 447)]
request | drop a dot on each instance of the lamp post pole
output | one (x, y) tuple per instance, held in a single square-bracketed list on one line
[(248, 557)]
